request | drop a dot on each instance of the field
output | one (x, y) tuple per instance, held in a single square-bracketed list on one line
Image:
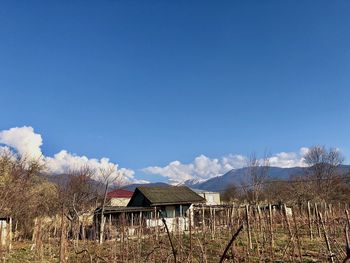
[(310, 234)]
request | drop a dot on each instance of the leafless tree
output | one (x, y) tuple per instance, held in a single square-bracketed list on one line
[(299, 190), (323, 169), (79, 192), (256, 174), (24, 194), (231, 193)]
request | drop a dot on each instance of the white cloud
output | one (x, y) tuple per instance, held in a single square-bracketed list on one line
[(28, 143), (203, 167), (24, 140), (64, 161), (303, 151), (289, 159)]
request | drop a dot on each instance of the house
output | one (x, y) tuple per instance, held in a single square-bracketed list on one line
[(212, 198), (172, 202), (119, 197), (148, 205)]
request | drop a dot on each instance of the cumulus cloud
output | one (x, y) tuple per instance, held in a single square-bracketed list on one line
[(24, 140), (28, 143), (203, 167), (64, 161), (289, 159)]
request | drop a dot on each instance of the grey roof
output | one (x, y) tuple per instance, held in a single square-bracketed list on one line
[(169, 195)]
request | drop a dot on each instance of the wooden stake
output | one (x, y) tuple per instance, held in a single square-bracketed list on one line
[(190, 228), (214, 222), (309, 219), (271, 232), (203, 219), (317, 222), (288, 226), (62, 257), (347, 216), (250, 244), (297, 236), (102, 223), (331, 255)]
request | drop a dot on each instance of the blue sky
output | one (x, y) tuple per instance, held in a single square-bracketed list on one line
[(146, 83)]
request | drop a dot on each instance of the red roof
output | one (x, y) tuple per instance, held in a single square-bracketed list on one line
[(120, 193)]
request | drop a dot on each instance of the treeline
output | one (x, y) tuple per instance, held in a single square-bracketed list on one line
[(322, 180), (26, 193)]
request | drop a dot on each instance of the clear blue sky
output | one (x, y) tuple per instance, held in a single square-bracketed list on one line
[(148, 82)]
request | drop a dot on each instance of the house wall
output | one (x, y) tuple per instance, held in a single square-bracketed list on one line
[(173, 224), (211, 198), (176, 218), (119, 201), (171, 211), (138, 200)]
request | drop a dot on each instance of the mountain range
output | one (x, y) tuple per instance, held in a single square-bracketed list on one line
[(217, 184), (236, 177)]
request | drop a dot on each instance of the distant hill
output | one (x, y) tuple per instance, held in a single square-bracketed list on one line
[(236, 176), (59, 179), (62, 179), (217, 184)]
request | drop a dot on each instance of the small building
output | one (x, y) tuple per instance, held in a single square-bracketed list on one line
[(172, 202), (119, 197), (212, 198), (149, 204)]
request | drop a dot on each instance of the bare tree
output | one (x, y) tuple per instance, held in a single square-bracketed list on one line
[(24, 194), (323, 170), (231, 193), (77, 194), (299, 190), (109, 175), (256, 174)]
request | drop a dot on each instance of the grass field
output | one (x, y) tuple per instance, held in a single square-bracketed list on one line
[(290, 242)]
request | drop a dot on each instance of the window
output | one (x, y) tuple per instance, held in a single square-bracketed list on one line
[(170, 211)]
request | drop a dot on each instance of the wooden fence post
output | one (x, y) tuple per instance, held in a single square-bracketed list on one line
[(271, 231), (291, 237), (250, 244), (203, 219), (190, 229), (317, 221), (62, 257), (309, 219), (102, 223), (297, 236), (331, 255)]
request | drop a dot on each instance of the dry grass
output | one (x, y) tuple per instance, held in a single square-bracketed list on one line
[(206, 246)]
